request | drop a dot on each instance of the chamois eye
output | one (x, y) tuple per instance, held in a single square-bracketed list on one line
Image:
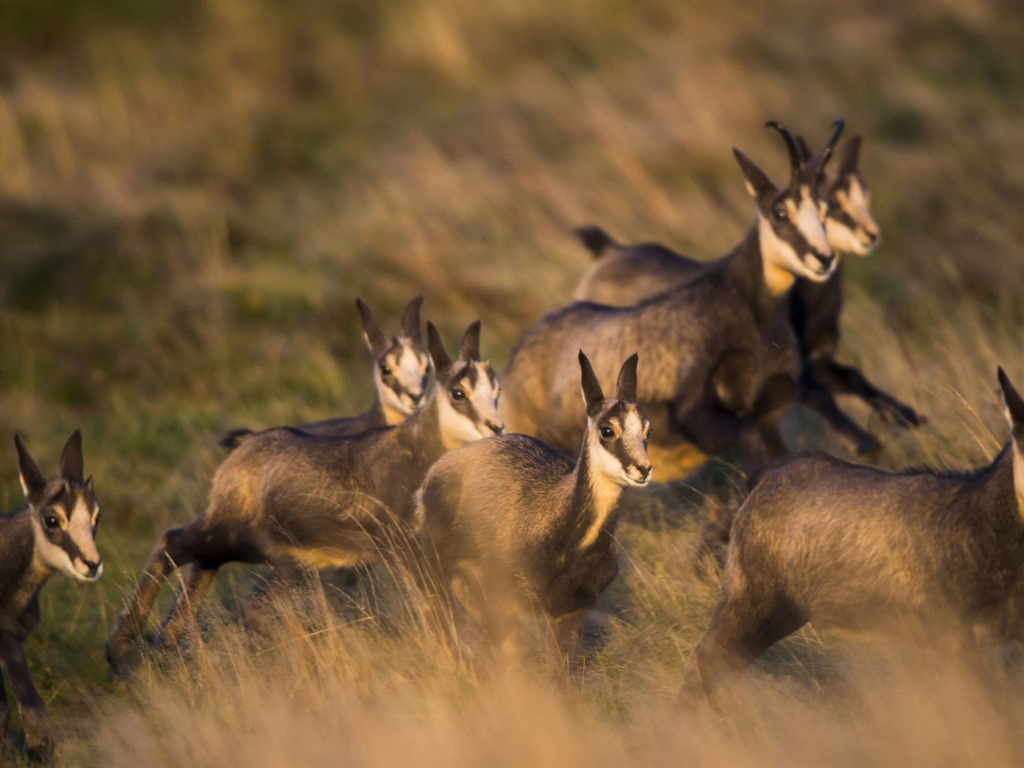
[(607, 433), (779, 214), (385, 369), (51, 522), (458, 394)]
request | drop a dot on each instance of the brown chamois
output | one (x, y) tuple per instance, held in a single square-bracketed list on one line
[(520, 529), (917, 553), (629, 274), (55, 532), (293, 499), (722, 358), (401, 373)]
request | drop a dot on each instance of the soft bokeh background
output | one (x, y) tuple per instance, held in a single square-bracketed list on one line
[(193, 193)]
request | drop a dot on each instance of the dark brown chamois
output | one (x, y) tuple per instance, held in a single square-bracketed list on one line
[(624, 275), (401, 373), (722, 358), (293, 499), (848, 546), (55, 532), (519, 529)]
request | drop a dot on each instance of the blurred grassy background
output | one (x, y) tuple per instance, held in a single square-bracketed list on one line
[(193, 193)]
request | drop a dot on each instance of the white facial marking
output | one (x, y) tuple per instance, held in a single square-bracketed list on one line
[(781, 262), (79, 528), (408, 366), (459, 427), (855, 203)]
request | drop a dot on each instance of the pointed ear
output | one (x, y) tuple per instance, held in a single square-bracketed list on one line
[(758, 183), (1013, 406), (438, 354), (849, 158), (32, 481), (411, 321), (375, 338), (71, 463), (470, 348), (626, 385), (593, 397)]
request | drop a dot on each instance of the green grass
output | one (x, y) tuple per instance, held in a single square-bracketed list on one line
[(192, 195)]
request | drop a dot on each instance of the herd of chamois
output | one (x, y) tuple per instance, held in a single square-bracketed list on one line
[(506, 496)]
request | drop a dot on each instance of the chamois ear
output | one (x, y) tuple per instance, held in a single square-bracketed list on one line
[(71, 463), (849, 157), (626, 385), (1013, 407), (411, 320), (593, 397), (375, 338), (438, 354), (758, 184), (469, 350), (32, 481)]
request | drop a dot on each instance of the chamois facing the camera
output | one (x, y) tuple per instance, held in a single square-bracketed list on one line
[(55, 532), (401, 374), (848, 546), (517, 528), (623, 275), (293, 499), (720, 350)]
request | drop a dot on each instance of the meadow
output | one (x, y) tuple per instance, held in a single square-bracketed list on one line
[(193, 194)]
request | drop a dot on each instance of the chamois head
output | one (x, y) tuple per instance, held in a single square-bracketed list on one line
[(791, 219), (64, 511), (1013, 408), (851, 227), (402, 370), (467, 389), (617, 429)]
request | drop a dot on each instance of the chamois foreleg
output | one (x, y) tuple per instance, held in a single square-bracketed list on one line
[(818, 398), (39, 736), (849, 380)]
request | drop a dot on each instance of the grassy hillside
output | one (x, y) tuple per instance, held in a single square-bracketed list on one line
[(193, 194)]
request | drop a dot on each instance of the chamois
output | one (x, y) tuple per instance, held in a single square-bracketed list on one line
[(401, 372), (521, 528), (849, 546), (56, 532), (293, 499), (723, 355), (630, 274)]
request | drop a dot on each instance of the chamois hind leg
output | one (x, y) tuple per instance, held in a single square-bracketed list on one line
[(35, 720), (175, 548), (848, 380), (743, 627), (183, 614)]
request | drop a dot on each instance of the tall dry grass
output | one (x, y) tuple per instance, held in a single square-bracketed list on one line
[(193, 194)]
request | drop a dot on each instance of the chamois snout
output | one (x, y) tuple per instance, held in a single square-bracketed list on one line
[(497, 427), (640, 473), (825, 260), (93, 568)]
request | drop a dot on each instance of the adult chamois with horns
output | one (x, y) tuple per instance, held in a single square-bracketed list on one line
[(520, 530), (918, 554), (628, 274), (401, 374), (720, 352), (297, 500), (56, 532)]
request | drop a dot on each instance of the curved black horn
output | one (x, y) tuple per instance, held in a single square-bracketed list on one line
[(826, 153), (794, 152)]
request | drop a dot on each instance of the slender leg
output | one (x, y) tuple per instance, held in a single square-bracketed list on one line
[(39, 734), (181, 618), (817, 397), (848, 380), (565, 632)]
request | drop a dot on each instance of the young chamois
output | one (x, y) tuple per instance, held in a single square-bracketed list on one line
[(720, 350), (849, 546), (629, 274), (522, 529), (401, 373), (56, 532), (294, 500)]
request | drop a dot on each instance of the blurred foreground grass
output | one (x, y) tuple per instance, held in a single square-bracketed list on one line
[(192, 194)]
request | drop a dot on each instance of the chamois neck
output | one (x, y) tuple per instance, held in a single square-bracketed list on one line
[(22, 570), (764, 287), (594, 500), (385, 415)]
